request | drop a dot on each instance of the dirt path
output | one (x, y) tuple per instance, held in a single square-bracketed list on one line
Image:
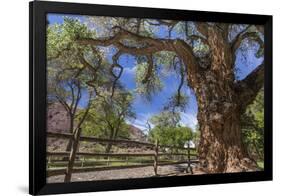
[(169, 170)]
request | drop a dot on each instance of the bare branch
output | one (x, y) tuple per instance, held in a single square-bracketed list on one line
[(184, 52), (169, 23), (79, 71), (260, 28), (78, 97), (88, 65), (198, 37), (115, 64), (150, 46), (69, 84), (202, 27), (246, 35), (138, 25), (224, 28), (248, 88), (65, 105), (240, 33), (86, 112), (182, 74)]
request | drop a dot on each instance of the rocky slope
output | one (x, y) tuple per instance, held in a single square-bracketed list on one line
[(58, 121)]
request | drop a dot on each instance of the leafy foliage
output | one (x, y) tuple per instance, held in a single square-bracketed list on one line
[(150, 87), (171, 136), (61, 40), (253, 126), (106, 117), (177, 102), (168, 131), (166, 119)]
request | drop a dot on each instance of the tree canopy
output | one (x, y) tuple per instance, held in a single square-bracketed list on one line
[(168, 131)]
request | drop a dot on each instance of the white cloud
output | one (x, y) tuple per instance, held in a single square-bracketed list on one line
[(141, 121), (130, 70), (189, 120)]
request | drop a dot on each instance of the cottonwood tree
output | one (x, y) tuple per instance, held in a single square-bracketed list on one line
[(208, 52)]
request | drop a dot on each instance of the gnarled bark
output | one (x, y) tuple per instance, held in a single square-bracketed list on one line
[(220, 107)]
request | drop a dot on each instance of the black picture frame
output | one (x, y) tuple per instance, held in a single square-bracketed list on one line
[(37, 116)]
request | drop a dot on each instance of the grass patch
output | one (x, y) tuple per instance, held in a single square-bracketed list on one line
[(260, 164)]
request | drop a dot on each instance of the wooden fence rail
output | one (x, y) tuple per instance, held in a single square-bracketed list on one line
[(116, 154), (55, 172), (98, 140), (76, 138)]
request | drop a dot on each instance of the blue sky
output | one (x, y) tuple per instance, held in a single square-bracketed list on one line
[(144, 109)]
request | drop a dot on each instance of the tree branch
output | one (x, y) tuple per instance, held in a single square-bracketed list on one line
[(65, 105), (168, 23), (248, 88), (181, 83), (202, 27), (69, 84), (149, 46), (78, 97), (88, 65), (246, 35), (115, 64), (86, 112), (198, 37)]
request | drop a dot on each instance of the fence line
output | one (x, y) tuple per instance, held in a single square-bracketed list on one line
[(116, 154), (97, 140), (55, 172), (76, 138)]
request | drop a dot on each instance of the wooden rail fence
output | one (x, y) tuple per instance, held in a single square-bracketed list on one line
[(74, 154)]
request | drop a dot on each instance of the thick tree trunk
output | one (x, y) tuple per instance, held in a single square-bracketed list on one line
[(69, 146), (219, 108), (108, 148), (71, 130), (113, 135), (221, 148), (109, 144), (70, 142)]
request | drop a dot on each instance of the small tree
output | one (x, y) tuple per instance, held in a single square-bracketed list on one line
[(74, 71), (107, 116), (168, 131), (68, 90)]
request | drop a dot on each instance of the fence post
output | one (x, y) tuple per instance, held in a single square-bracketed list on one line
[(72, 156), (82, 163), (188, 159), (155, 157), (108, 159), (49, 161)]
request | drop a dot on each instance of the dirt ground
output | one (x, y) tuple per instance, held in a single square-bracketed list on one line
[(168, 170)]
